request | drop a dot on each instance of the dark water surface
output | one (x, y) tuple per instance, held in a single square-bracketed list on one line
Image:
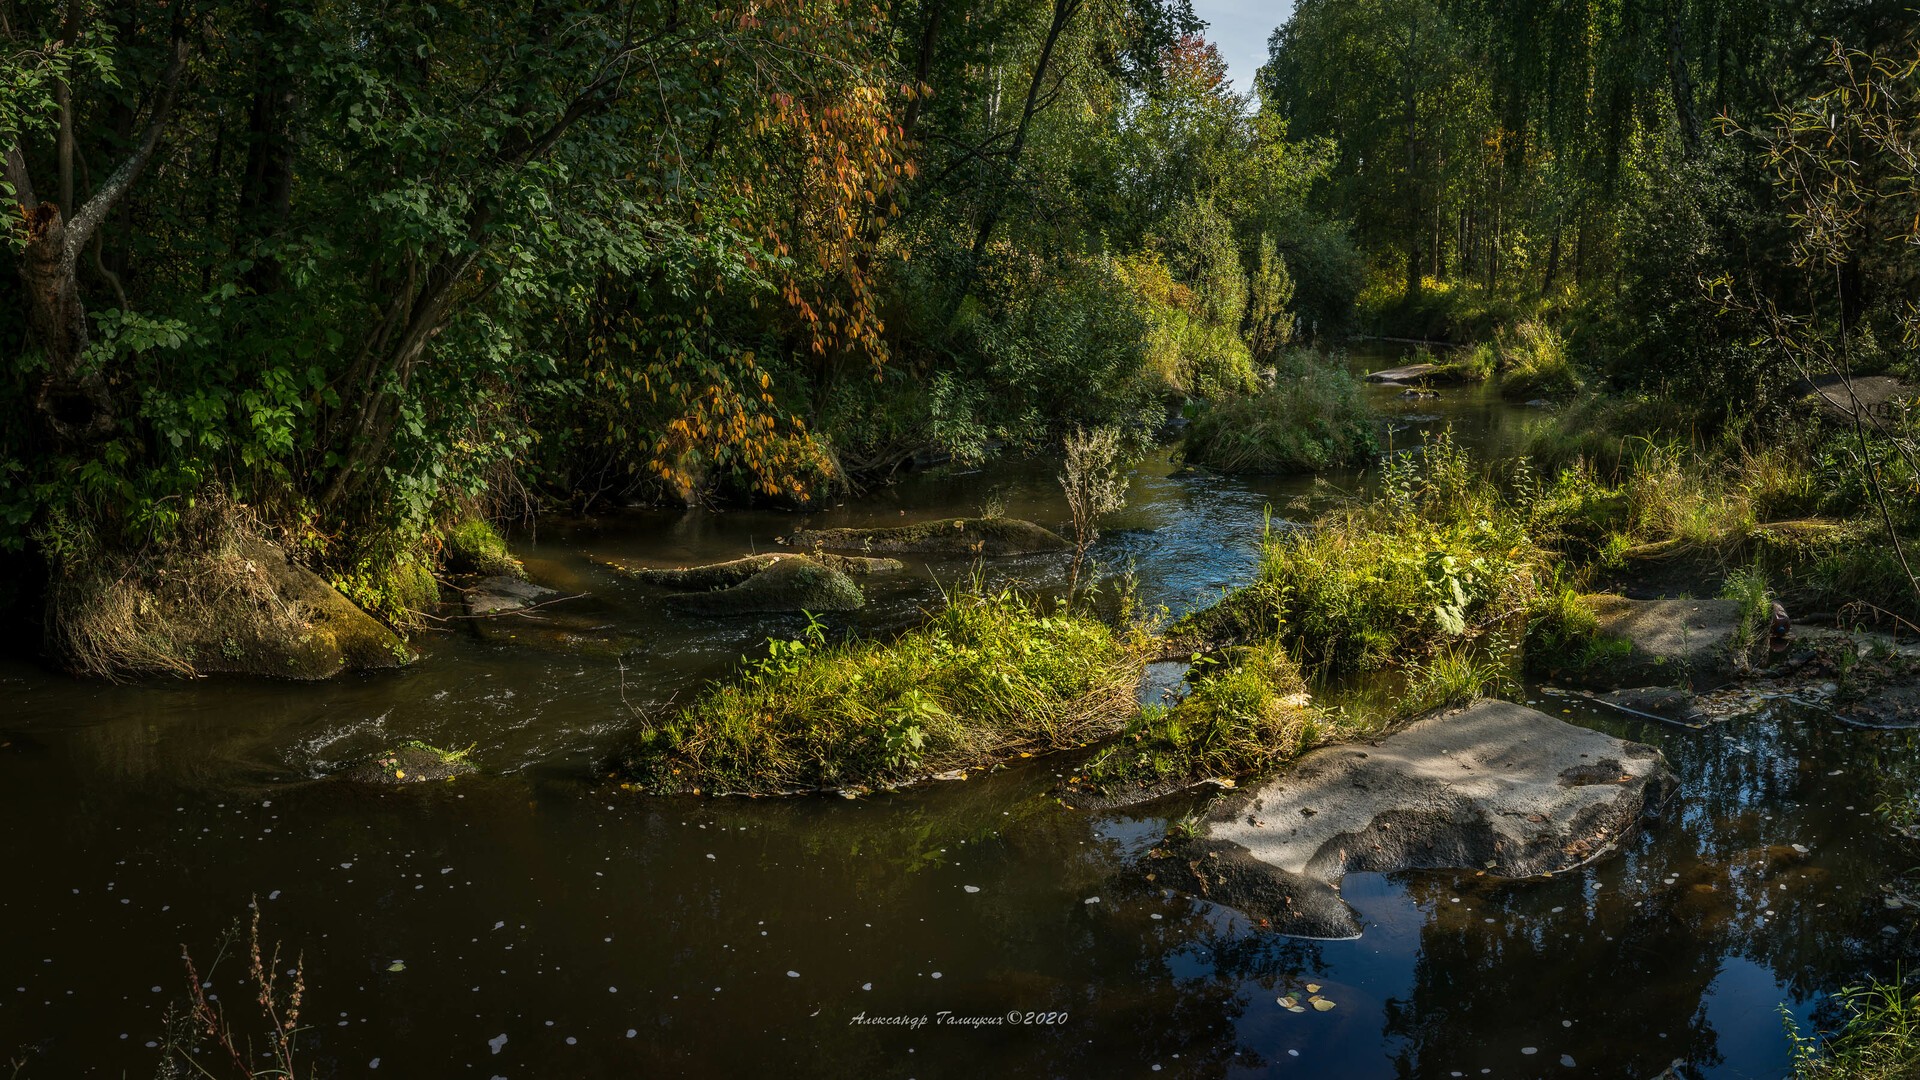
[(547, 924)]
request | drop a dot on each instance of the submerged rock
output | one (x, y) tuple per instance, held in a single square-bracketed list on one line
[(504, 595), (951, 536), (1496, 787), (508, 611), (1664, 702), (410, 764)]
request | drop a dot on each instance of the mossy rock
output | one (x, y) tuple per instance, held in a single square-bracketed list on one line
[(949, 536), (413, 763), (228, 638), (473, 547), (734, 572), (795, 583)]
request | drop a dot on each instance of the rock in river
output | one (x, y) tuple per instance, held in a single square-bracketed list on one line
[(725, 575), (1673, 641), (1495, 786), (761, 583), (952, 536), (411, 763)]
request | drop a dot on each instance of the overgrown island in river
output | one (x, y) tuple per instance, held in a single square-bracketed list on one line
[(319, 316)]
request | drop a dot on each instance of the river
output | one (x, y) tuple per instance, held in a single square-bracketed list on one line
[(537, 921)]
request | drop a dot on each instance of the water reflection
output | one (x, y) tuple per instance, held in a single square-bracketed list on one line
[(608, 935)]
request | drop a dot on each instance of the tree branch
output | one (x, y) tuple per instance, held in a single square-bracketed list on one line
[(81, 226), (17, 176)]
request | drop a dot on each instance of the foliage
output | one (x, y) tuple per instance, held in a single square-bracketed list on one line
[(1533, 363), (1439, 556), (989, 676), (1313, 418), (1246, 713), (1880, 1041), (1095, 482)]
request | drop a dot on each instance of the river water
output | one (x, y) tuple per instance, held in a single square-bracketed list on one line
[(537, 921)]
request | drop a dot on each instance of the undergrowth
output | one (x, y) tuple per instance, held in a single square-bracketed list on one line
[(990, 675), (1312, 418), (1441, 554), (1247, 712), (1881, 1039)]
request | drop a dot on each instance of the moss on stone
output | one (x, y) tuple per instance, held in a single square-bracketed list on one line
[(789, 584), (411, 762), (474, 547), (949, 536)]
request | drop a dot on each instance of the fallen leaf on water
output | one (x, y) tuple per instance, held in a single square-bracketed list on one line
[(397, 965), (1295, 1008), (1289, 1002), (1313, 988), (1322, 1004)]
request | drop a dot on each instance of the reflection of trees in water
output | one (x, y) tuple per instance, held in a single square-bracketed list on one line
[(1636, 957)]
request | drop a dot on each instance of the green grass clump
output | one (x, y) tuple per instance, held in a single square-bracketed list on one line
[(987, 677), (1748, 587), (1246, 714), (1464, 365), (1312, 418), (1439, 555), (1456, 674), (1563, 635), (1881, 1040), (1533, 362)]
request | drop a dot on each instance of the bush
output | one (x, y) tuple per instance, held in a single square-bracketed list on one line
[(990, 676), (1185, 353), (1327, 271), (1439, 556), (1312, 418)]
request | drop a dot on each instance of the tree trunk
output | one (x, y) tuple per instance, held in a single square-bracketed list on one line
[(1682, 84), (72, 398), (1063, 13), (72, 401)]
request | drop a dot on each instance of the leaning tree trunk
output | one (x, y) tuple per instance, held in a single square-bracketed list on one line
[(73, 399)]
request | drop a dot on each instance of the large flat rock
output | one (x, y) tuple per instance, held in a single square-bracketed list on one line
[(1495, 786), (1673, 641)]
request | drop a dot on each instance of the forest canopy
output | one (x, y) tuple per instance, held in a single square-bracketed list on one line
[(372, 270)]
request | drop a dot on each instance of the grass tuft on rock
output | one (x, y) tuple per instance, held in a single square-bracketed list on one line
[(989, 676), (1248, 713), (1312, 418)]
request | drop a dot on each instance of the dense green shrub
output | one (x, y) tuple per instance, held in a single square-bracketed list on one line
[(1439, 555), (1312, 418)]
